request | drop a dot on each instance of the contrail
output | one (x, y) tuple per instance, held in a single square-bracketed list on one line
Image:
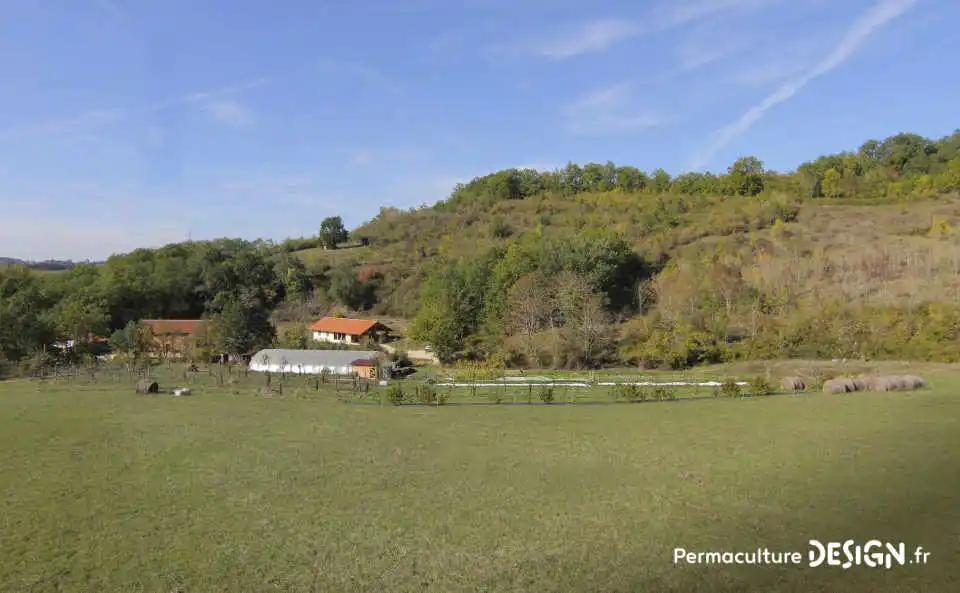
[(877, 16)]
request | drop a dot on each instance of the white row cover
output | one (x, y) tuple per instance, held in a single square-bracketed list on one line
[(569, 384), (297, 369)]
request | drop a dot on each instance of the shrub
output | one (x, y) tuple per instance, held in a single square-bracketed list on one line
[(662, 393), (499, 229), (427, 395), (760, 386), (729, 388), (395, 394), (630, 393), (8, 369), (546, 395), (818, 379), (401, 358)]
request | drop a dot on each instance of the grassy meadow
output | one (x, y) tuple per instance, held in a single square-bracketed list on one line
[(104, 490)]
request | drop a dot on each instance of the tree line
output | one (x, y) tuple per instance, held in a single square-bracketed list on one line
[(234, 283), (891, 167)]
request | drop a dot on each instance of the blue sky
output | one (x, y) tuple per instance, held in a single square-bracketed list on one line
[(127, 123)]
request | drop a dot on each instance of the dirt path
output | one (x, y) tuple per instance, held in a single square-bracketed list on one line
[(414, 354)]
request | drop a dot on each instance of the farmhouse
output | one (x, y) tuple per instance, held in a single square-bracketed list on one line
[(314, 362), (339, 330), (176, 337)]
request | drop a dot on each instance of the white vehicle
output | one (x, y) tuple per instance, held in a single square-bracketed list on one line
[(427, 348)]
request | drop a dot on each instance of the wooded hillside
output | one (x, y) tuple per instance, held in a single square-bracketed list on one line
[(850, 255)]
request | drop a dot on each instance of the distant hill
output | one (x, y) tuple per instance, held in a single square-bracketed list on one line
[(850, 255), (49, 264)]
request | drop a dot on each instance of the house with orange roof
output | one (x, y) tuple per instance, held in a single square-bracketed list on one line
[(339, 330)]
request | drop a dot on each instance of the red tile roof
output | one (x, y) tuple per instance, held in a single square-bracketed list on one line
[(353, 327), (176, 326), (363, 362)]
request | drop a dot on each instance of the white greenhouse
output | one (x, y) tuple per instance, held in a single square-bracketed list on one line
[(313, 362)]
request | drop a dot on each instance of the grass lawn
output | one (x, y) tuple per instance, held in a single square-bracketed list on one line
[(103, 490), (317, 255)]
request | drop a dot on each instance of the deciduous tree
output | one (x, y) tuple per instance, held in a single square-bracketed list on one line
[(745, 176), (332, 232)]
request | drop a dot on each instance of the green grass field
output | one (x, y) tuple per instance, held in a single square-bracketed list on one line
[(317, 255), (104, 490)]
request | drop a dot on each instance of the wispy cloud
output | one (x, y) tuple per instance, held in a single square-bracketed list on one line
[(101, 117), (369, 75), (220, 92), (230, 113), (877, 16), (676, 13), (303, 190), (368, 156), (708, 45), (776, 59), (610, 110), (600, 99), (768, 72), (588, 38), (602, 34)]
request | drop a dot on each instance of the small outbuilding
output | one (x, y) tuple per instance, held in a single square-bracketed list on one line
[(314, 362), (365, 368)]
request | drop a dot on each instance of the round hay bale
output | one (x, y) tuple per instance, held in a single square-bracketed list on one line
[(145, 386), (839, 386), (882, 384), (897, 383), (861, 384), (914, 382), (792, 384)]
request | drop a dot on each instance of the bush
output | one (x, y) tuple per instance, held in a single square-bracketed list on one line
[(427, 395), (546, 395), (729, 388), (395, 394), (630, 393), (401, 358), (818, 379), (662, 393), (760, 386), (499, 229)]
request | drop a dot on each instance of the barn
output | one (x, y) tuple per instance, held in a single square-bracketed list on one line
[(314, 362)]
